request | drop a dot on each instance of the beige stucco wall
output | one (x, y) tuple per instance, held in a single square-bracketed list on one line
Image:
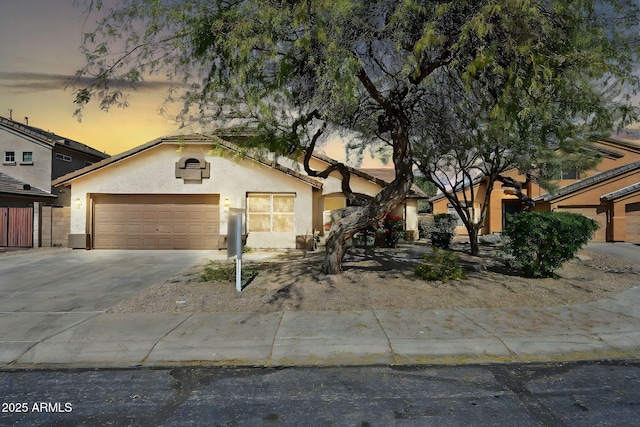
[(153, 172), (39, 173)]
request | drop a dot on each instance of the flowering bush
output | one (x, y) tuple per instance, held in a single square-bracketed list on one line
[(392, 230)]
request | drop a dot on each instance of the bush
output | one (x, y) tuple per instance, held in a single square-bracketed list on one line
[(216, 271), (425, 226), (444, 228), (540, 242), (442, 265), (393, 227)]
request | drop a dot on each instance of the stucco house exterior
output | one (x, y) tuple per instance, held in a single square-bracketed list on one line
[(30, 159), (608, 193), (176, 192)]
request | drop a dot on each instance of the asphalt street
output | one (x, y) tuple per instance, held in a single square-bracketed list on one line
[(548, 394)]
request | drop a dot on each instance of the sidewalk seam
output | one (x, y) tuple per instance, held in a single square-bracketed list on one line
[(511, 352), (273, 341), (144, 360), (393, 353), (14, 361)]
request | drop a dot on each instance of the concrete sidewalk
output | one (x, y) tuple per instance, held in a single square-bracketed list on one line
[(604, 329)]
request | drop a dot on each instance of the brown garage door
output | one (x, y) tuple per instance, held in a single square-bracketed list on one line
[(632, 213), (156, 222), (591, 212)]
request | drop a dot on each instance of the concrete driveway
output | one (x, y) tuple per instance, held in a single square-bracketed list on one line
[(628, 251), (84, 281)]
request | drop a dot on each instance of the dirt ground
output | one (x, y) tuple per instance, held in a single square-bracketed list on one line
[(384, 279)]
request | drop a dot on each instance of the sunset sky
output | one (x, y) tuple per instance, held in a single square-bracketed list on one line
[(40, 52)]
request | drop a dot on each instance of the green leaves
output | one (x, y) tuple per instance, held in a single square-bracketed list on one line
[(540, 242)]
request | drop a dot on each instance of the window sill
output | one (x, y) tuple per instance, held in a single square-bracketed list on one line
[(9, 163), (26, 163)]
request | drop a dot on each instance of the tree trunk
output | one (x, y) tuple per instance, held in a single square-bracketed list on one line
[(473, 240), (335, 247), (348, 221)]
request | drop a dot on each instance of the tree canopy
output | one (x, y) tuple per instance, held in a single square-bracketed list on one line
[(295, 70)]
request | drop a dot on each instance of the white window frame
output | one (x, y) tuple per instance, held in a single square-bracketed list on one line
[(271, 213), (64, 157), (10, 156)]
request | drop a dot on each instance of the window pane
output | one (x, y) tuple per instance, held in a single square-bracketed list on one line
[(27, 156), (9, 156), (283, 204), (261, 204), (283, 223), (259, 222)]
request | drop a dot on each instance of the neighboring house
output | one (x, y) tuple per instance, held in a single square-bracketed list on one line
[(30, 159), (607, 193), (366, 182), (176, 192), (17, 199)]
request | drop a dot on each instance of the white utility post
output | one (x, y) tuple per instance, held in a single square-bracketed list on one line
[(234, 242)]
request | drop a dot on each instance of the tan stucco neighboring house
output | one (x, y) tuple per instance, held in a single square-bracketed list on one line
[(176, 192), (611, 198), (605, 193)]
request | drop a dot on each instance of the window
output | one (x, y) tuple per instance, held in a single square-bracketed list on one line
[(453, 212), (27, 157), (63, 157), (9, 156), (270, 213), (569, 174), (86, 163)]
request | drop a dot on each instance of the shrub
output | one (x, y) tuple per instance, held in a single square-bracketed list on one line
[(444, 228), (216, 271), (442, 265), (393, 227), (425, 226), (540, 242)]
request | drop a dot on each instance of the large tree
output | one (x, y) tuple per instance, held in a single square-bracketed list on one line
[(554, 80), (295, 70)]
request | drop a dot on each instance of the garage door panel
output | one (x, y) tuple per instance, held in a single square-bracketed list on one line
[(150, 215), (124, 223), (632, 213), (591, 212)]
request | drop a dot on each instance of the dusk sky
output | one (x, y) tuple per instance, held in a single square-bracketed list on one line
[(39, 47), (40, 53)]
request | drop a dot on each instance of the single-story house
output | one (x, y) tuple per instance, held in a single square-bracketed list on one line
[(176, 192), (606, 193)]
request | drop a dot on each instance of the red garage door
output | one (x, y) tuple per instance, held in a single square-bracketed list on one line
[(156, 222), (16, 227)]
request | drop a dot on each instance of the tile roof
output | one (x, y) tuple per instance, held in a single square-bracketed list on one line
[(380, 176), (50, 138), (594, 179), (622, 192), (194, 139), (14, 187), (387, 175)]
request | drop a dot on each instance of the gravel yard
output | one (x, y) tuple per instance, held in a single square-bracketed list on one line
[(383, 279)]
